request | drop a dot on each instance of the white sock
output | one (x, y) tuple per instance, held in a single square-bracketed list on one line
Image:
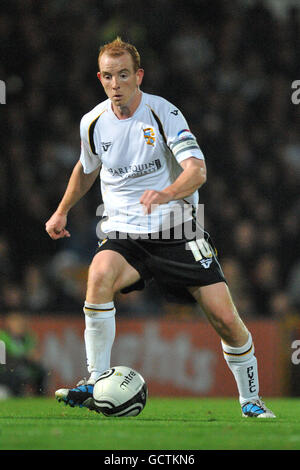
[(243, 365), (99, 335)]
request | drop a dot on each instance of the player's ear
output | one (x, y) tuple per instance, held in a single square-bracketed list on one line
[(139, 76), (99, 76)]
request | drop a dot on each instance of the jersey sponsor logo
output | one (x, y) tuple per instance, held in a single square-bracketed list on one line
[(134, 171), (149, 136), (106, 145)]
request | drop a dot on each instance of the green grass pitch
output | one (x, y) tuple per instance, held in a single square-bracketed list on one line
[(165, 423)]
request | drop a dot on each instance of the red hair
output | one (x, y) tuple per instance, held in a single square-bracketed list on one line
[(119, 47)]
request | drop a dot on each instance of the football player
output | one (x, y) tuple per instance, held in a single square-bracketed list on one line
[(150, 164)]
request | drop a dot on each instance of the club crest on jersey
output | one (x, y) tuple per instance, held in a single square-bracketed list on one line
[(149, 136)]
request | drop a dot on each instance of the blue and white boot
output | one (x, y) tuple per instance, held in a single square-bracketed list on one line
[(81, 395), (256, 409)]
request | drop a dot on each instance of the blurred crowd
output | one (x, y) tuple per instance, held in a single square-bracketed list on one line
[(228, 65), (22, 373)]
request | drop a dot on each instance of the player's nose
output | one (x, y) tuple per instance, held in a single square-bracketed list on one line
[(115, 83)]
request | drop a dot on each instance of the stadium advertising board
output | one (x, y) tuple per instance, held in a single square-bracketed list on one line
[(179, 358)]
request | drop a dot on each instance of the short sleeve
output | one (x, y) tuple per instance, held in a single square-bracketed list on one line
[(89, 159), (179, 138)]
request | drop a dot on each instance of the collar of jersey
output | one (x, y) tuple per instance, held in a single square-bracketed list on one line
[(113, 116)]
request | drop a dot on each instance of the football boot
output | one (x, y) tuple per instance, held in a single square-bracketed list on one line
[(81, 395), (256, 409)]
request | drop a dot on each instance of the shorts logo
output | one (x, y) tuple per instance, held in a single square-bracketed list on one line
[(206, 263), (202, 252), (149, 136)]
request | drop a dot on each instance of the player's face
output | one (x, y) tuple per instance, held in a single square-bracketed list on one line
[(120, 81)]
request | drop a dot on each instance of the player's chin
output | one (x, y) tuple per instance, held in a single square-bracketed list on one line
[(118, 100)]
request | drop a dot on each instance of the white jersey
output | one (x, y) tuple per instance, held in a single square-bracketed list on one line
[(139, 153)]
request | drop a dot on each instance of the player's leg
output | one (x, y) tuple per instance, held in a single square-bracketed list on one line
[(237, 344), (109, 272), (216, 302)]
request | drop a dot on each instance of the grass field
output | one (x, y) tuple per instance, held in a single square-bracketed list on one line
[(165, 423)]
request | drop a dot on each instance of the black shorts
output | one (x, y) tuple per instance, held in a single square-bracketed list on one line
[(174, 264)]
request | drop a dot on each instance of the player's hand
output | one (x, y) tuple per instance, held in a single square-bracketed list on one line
[(55, 226), (151, 199)]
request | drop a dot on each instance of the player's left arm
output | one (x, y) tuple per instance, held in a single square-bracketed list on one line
[(190, 180)]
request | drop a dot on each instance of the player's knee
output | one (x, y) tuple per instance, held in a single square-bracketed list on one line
[(225, 320), (100, 278)]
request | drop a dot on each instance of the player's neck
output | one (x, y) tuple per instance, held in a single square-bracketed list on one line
[(127, 110)]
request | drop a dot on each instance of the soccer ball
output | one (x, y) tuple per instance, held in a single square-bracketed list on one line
[(120, 391)]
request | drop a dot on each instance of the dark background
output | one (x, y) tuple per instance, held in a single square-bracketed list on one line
[(229, 67)]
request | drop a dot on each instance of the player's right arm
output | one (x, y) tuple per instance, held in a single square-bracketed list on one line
[(82, 178), (78, 185)]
